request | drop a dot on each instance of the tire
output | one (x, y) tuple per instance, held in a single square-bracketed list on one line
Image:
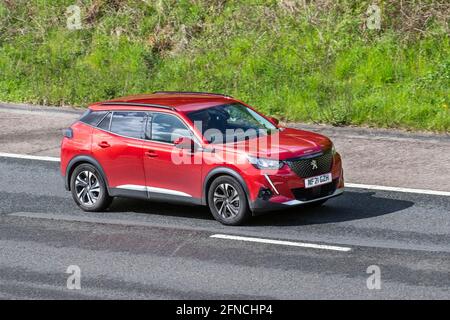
[(88, 189), (229, 207)]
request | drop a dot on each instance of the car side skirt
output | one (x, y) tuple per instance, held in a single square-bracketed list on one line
[(153, 194)]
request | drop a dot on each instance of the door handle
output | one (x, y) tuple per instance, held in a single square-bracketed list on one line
[(104, 144), (151, 154)]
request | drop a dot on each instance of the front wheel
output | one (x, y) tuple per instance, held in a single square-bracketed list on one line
[(89, 189), (227, 201)]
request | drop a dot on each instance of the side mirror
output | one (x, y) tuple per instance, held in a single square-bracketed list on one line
[(275, 121), (185, 143)]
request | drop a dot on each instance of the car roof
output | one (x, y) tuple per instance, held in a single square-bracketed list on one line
[(179, 101)]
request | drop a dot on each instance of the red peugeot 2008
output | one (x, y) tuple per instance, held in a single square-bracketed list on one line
[(199, 148)]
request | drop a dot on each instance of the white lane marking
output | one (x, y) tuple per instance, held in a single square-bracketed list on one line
[(347, 184), (341, 240), (148, 224), (397, 189), (29, 157), (281, 242)]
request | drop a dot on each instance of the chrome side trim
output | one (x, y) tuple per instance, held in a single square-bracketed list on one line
[(153, 189), (296, 202), (132, 187), (168, 191), (271, 183)]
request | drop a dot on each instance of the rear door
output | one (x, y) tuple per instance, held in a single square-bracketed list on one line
[(117, 144)]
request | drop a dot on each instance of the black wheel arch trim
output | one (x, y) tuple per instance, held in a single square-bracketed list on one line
[(83, 159), (223, 171)]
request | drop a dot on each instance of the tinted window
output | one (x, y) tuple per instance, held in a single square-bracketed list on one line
[(104, 124), (167, 128), (129, 124), (231, 122), (92, 117)]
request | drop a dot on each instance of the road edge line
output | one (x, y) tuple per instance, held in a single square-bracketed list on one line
[(397, 189), (29, 157)]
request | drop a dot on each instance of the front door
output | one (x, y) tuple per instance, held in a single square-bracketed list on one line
[(170, 172)]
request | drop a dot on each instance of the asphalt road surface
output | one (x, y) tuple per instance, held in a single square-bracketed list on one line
[(140, 250)]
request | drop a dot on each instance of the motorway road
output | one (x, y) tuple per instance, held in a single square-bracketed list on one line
[(159, 251)]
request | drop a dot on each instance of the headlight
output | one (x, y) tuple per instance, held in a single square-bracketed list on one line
[(333, 149), (262, 163)]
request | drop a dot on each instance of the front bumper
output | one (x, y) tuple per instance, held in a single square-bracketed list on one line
[(261, 205), (284, 189)]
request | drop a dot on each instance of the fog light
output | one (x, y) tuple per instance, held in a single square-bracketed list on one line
[(265, 194)]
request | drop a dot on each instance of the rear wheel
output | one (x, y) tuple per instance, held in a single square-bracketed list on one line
[(227, 201), (89, 188)]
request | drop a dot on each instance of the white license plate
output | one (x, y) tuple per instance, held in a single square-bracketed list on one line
[(318, 180)]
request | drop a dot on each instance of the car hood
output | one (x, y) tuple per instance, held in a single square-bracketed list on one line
[(284, 144)]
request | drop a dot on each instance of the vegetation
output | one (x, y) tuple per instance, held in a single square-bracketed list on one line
[(299, 60)]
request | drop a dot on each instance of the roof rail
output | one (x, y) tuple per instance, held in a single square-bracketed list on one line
[(135, 104), (193, 92)]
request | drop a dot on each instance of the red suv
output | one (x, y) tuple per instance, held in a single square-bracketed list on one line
[(198, 148)]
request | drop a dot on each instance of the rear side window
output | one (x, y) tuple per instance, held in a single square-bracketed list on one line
[(92, 117), (104, 124), (167, 128), (128, 124)]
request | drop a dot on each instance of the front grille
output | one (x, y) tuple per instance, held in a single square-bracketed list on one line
[(324, 190), (312, 165)]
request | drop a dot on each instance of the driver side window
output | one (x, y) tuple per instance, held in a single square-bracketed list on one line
[(167, 128)]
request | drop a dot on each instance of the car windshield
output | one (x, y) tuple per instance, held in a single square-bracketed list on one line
[(230, 123)]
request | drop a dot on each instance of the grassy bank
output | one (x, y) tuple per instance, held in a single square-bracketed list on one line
[(312, 61)]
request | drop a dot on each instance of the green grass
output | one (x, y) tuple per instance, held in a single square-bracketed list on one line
[(316, 63)]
